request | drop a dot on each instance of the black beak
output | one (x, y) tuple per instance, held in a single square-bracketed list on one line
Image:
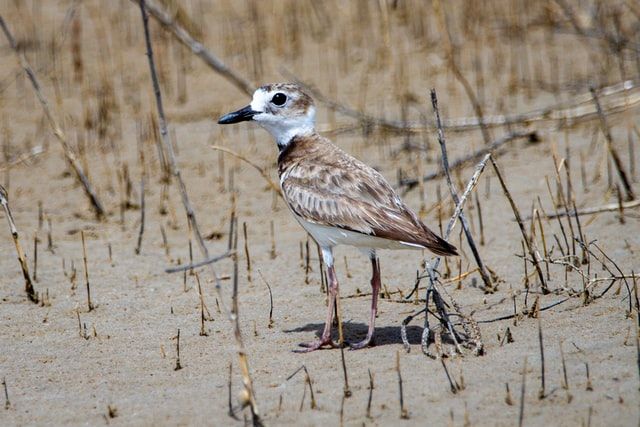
[(241, 115)]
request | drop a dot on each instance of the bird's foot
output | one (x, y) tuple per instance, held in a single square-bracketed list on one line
[(316, 345), (362, 344)]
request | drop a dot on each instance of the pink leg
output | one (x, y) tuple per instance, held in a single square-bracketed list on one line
[(375, 286), (325, 339)]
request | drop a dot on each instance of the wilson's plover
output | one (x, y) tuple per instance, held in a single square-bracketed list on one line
[(338, 199)]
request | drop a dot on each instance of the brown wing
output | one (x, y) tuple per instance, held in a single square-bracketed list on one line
[(338, 190)]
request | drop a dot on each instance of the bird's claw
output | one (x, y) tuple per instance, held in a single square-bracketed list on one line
[(316, 345)]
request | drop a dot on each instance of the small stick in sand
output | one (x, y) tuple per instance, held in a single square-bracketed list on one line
[(371, 387), (480, 222), (86, 272), (307, 267), (308, 382), (231, 412), (35, 256), (404, 414), (142, 215), (246, 250), (508, 400), (270, 325), (7, 403), (541, 392), (49, 237), (178, 365), (272, 254), (28, 285), (589, 386), (346, 389), (203, 332), (522, 393), (453, 385), (165, 242)]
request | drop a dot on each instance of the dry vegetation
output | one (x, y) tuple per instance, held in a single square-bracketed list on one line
[(536, 323)]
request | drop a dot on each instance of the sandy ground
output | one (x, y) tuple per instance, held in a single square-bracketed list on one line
[(120, 369)]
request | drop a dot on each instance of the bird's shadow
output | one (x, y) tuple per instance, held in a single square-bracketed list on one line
[(354, 332)]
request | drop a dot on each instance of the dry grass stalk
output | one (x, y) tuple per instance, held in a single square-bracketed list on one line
[(90, 306), (28, 284), (529, 244), (53, 123), (270, 324), (370, 398), (611, 149), (7, 403), (246, 250)]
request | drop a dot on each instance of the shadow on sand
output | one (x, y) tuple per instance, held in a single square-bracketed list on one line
[(354, 332)]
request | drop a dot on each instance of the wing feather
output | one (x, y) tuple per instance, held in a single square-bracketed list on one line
[(335, 189)]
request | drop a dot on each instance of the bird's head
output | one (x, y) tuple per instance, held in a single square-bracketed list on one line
[(283, 109)]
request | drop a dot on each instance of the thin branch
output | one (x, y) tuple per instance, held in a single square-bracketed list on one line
[(612, 151), (208, 261), (525, 236)]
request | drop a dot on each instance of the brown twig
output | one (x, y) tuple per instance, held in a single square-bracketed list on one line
[(270, 324), (28, 284), (86, 272)]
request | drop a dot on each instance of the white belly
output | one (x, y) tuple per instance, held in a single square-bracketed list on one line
[(331, 236)]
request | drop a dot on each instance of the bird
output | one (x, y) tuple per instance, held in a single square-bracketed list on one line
[(336, 198)]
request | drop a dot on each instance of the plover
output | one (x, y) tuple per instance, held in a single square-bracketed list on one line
[(338, 199)]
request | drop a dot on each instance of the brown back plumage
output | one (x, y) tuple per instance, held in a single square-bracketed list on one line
[(324, 185)]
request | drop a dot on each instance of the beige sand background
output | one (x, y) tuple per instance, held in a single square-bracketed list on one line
[(378, 57)]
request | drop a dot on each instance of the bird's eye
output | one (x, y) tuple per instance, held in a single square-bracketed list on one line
[(279, 99)]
